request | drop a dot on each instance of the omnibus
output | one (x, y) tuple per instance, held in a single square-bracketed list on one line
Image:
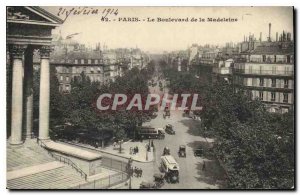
[(171, 168), (151, 132)]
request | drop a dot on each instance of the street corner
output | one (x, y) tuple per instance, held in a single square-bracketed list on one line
[(137, 151)]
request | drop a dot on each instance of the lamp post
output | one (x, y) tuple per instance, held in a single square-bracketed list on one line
[(120, 143), (130, 171)]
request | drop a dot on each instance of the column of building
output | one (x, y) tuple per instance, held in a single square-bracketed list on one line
[(17, 54), (44, 93), (22, 73)]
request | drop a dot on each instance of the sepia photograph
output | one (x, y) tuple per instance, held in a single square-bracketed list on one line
[(150, 98)]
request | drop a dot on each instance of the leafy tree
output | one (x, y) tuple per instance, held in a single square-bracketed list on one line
[(256, 146)]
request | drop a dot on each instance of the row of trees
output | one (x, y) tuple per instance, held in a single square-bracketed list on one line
[(256, 147), (78, 109)]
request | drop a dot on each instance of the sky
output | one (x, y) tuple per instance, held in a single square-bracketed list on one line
[(156, 37)]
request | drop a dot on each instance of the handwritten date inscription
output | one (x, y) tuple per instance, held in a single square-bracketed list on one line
[(104, 13)]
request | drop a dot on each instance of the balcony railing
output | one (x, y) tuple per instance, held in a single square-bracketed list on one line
[(222, 70), (271, 60), (264, 72)]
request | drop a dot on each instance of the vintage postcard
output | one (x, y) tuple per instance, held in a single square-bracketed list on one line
[(150, 98)]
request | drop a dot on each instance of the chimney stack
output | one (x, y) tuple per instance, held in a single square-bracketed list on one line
[(283, 36), (270, 31), (260, 36), (288, 36), (276, 36)]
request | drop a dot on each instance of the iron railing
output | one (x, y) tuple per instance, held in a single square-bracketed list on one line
[(63, 159), (104, 183)]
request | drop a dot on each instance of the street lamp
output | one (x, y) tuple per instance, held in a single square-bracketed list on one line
[(130, 171), (120, 143)]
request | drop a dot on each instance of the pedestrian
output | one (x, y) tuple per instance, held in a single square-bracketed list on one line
[(130, 150), (137, 149), (203, 166), (135, 171), (141, 172)]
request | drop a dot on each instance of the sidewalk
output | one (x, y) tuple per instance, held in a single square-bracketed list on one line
[(142, 156)]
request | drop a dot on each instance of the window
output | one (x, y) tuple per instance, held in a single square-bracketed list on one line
[(250, 69), (261, 95), (285, 97), (273, 96), (260, 70), (92, 70), (264, 58), (273, 82), (286, 83), (67, 78), (61, 78), (261, 82), (67, 87), (288, 59), (286, 70), (99, 70), (274, 70)]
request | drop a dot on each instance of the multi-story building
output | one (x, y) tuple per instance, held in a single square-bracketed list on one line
[(267, 72), (223, 69), (66, 71), (103, 66)]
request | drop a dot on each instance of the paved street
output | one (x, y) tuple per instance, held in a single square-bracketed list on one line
[(190, 173)]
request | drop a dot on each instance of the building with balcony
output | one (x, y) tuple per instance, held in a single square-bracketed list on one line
[(223, 70), (267, 72)]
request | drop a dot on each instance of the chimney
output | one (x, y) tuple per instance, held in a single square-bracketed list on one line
[(288, 36), (260, 36), (270, 31), (283, 36), (276, 36)]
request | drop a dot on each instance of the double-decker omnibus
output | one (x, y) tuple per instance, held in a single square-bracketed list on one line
[(171, 168), (151, 132)]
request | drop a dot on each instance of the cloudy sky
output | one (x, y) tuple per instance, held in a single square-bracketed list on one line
[(157, 37)]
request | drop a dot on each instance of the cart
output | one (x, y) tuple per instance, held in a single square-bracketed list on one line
[(147, 185), (182, 151), (159, 180), (166, 151)]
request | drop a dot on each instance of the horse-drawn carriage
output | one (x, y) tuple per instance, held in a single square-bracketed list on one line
[(158, 182), (182, 151)]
